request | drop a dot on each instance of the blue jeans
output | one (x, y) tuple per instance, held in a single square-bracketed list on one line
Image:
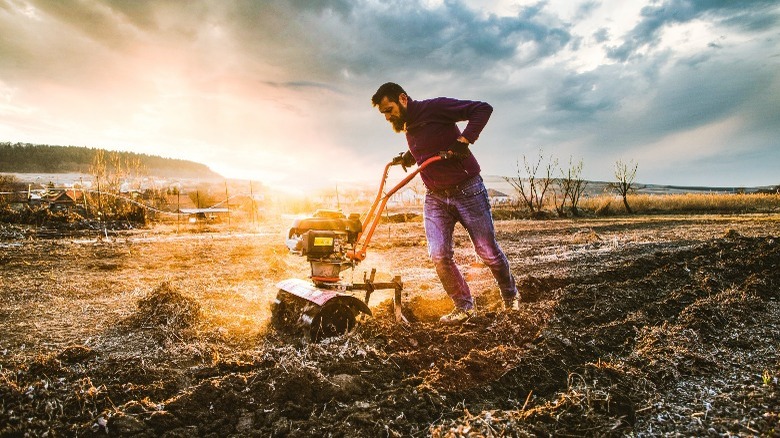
[(469, 205)]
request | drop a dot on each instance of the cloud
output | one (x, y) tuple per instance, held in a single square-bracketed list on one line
[(601, 35), (367, 38), (753, 20), (649, 105), (586, 9), (261, 80), (584, 94), (747, 16)]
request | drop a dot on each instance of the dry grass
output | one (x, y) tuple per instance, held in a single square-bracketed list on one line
[(684, 203)]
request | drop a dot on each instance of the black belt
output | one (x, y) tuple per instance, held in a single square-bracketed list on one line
[(453, 190)]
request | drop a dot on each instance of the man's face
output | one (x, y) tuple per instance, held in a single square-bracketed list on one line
[(395, 113)]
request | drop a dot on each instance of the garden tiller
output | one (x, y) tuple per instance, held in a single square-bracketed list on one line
[(332, 243)]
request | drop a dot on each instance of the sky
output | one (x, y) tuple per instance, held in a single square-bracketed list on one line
[(278, 91)]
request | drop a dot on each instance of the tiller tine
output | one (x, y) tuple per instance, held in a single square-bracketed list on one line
[(318, 313)]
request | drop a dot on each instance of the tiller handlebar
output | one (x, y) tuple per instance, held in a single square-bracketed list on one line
[(375, 212)]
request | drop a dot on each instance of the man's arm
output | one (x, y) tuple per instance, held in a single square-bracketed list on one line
[(478, 118), (475, 112)]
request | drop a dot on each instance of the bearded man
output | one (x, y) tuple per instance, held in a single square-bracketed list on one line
[(455, 190)]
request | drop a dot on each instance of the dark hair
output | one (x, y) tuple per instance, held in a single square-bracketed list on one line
[(390, 90)]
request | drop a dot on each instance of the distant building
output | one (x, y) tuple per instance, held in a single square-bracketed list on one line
[(16, 200), (498, 198), (204, 214), (407, 196), (59, 200)]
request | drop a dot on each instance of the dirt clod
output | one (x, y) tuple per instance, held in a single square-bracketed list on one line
[(76, 353), (168, 307)]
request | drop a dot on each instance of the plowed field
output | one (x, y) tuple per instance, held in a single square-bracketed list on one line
[(644, 326)]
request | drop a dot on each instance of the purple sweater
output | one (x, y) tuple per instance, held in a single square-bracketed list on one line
[(431, 128)]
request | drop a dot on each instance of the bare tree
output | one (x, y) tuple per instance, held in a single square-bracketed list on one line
[(117, 175), (624, 184), (135, 171), (109, 174), (570, 186), (98, 171), (578, 186), (8, 185), (98, 166), (533, 192), (203, 196), (562, 189)]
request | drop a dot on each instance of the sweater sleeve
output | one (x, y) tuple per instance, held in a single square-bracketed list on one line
[(476, 113), (477, 121)]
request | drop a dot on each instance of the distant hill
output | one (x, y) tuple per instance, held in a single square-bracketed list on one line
[(35, 158)]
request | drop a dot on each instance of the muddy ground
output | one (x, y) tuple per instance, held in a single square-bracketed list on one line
[(643, 326)]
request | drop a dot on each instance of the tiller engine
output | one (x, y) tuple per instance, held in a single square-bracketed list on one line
[(327, 305)]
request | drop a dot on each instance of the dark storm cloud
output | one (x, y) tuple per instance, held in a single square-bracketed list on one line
[(323, 41), (618, 107), (688, 96), (746, 15), (663, 92), (582, 96), (753, 21), (368, 39), (694, 95)]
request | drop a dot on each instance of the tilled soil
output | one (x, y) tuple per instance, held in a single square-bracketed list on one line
[(643, 326)]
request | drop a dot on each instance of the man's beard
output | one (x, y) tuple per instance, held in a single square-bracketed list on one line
[(399, 123)]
